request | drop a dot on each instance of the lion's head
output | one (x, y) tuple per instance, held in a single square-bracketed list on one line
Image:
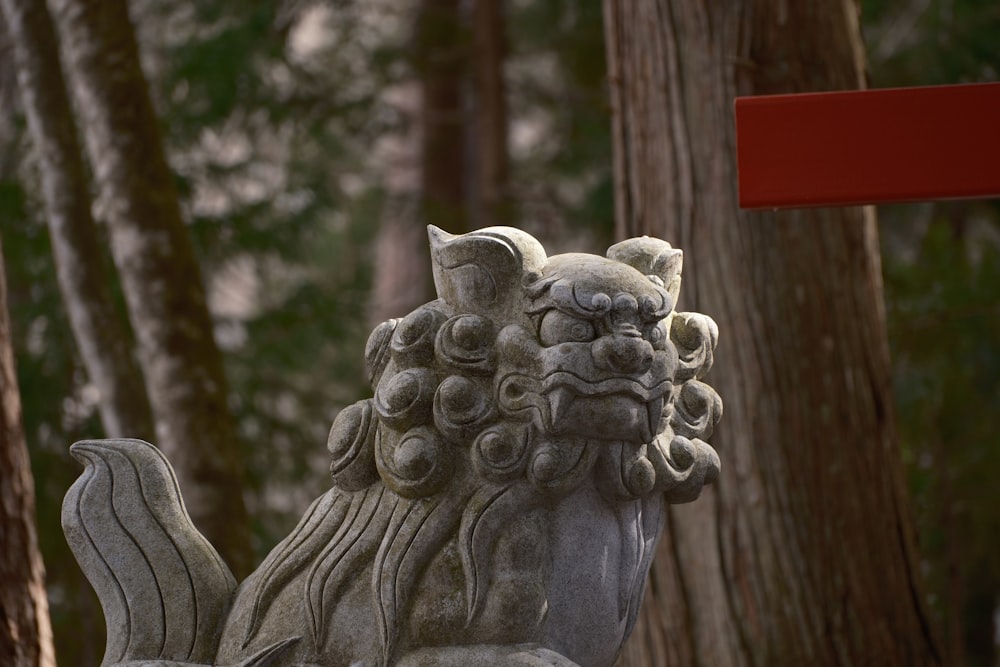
[(537, 367)]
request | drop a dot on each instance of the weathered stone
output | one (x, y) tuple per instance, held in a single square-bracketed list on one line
[(497, 501)]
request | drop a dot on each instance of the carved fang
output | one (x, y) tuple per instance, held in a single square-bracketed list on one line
[(560, 399)]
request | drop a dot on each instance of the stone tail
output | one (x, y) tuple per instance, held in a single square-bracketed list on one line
[(164, 589)]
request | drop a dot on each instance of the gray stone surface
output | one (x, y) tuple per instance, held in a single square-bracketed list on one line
[(497, 501)]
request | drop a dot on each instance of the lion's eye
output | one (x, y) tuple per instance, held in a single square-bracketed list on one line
[(558, 327), (656, 334)]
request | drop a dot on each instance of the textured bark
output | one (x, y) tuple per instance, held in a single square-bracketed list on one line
[(101, 336), (492, 206), (25, 631), (803, 552), (160, 275)]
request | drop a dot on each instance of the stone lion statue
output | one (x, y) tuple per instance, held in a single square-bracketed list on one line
[(497, 501)]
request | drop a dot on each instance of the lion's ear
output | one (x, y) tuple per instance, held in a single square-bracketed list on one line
[(654, 258), (476, 272)]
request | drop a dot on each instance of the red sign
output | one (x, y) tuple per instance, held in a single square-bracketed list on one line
[(866, 147)]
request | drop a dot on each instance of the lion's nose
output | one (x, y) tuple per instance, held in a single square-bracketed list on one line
[(623, 353)]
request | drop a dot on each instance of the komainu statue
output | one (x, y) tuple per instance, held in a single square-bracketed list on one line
[(496, 502)]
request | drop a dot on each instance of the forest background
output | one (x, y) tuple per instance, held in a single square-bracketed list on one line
[(309, 142)]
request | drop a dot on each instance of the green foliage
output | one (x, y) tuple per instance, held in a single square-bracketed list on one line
[(270, 148), (557, 81), (270, 139), (270, 113), (56, 408), (945, 324), (927, 42), (942, 276)]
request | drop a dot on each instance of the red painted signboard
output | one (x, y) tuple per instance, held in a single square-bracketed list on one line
[(874, 146)]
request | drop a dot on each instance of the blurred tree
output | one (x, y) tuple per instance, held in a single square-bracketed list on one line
[(438, 52), (943, 291), (273, 115), (491, 205), (441, 48), (803, 552), (514, 131), (25, 629), (945, 323), (268, 111), (56, 407), (931, 42), (159, 272), (102, 337), (559, 118)]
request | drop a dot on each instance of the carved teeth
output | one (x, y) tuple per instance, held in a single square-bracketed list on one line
[(655, 408), (560, 399)]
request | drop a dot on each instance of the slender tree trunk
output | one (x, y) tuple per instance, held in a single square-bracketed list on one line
[(440, 53), (803, 551), (493, 206), (403, 271), (402, 264), (160, 275), (25, 631), (437, 195), (101, 336)]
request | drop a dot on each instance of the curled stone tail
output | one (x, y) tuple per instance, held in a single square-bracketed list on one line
[(163, 588)]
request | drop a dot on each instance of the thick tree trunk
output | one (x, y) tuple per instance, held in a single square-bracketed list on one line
[(101, 336), (160, 275), (803, 552), (25, 631)]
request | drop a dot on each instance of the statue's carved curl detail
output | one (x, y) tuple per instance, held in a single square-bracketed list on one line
[(501, 493)]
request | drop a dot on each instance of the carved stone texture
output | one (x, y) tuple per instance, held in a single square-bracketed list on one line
[(497, 501)]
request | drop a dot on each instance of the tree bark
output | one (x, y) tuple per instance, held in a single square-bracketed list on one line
[(493, 206), (25, 630), (803, 552), (159, 272), (101, 336)]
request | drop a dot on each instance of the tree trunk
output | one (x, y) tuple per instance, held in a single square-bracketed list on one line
[(440, 53), (25, 631), (159, 272), (101, 336), (492, 202), (437, 194), (803, 551)]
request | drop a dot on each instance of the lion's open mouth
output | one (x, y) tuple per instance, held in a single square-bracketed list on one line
[(617, 416), (612, 409)]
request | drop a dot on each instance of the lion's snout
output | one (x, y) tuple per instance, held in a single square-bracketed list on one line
[(623, 353)]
